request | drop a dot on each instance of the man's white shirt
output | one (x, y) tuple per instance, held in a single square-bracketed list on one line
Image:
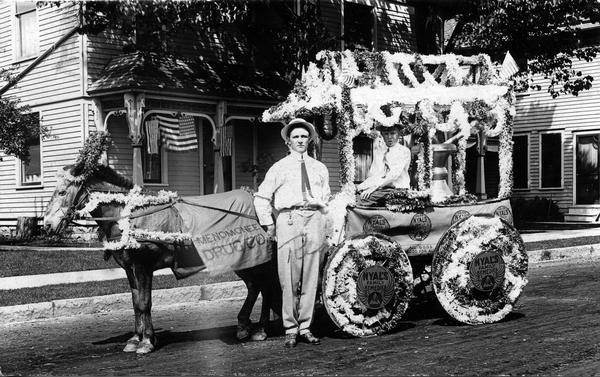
[(282, 185), (398, 162)]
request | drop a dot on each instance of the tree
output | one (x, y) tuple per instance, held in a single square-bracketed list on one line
[(545, 36), (17, 124), (270, 33)]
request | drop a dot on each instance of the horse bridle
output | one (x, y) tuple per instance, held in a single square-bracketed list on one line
[(69, 214)]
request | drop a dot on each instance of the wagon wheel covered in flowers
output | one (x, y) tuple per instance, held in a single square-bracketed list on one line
[(367, 284), (479, 269)]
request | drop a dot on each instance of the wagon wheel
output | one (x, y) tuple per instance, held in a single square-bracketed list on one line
[(367, 284), (479, 269)]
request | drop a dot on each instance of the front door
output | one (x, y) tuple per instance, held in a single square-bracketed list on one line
[(587, 169)]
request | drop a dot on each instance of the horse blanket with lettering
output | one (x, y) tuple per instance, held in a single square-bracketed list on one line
[(225, 232), (418, 232)]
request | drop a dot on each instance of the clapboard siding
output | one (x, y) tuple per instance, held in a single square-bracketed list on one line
[(120, 154), (330, 157), (5, 33), (184, 172), (537, 113), (58, 150), (100, 49), (395, 25), (58, 75)]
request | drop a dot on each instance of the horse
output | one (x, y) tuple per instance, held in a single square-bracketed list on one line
[(72, 193)]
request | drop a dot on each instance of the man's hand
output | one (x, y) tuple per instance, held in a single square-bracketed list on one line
[(367, 192), (271, 232)]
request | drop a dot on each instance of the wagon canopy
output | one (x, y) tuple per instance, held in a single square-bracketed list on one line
[(359, 90)]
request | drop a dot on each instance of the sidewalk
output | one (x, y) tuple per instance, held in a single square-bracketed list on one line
[(227, 290)]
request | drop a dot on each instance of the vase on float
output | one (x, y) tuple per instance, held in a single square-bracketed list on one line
[(439, 180)]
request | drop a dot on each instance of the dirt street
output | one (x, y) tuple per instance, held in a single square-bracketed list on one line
[(555, 330)]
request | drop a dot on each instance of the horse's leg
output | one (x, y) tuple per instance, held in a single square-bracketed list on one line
[(143, 276), (243, 329), (132, 343), (265, 312)]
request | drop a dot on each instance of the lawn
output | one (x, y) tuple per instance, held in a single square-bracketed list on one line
[(26, 262), (23, 262), (100, 288)]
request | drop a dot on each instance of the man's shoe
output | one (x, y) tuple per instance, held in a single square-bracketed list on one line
[(309, 338), (290, 340)]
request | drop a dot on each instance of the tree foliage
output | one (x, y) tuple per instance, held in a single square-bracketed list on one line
[(545, 36), (270, 32), (18, 127)]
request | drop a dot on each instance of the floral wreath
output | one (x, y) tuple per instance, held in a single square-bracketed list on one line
[(132, 201), (341, 296), (453, 282)]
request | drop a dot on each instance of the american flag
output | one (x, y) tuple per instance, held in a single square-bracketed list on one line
[(178, 134), (225, 140), (509, 67)]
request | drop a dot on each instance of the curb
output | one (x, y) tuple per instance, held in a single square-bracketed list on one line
[(216, 291), (31, 281), (120, 301), (572, 252)]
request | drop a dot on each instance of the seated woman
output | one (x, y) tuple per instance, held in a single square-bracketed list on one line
[(388, 171)]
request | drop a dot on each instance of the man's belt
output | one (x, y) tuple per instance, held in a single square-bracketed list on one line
[(301, 208)]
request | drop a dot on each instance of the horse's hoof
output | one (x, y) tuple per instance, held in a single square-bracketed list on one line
[(145, 347), (243, 331), (259, 335), (132, 344)]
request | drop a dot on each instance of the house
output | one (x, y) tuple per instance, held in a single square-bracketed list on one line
[(556, 144), (79, 83)]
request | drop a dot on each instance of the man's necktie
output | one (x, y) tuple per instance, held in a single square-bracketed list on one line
[(306, 192), (386, 166)]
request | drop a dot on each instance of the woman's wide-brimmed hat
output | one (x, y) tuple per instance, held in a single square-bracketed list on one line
[(302, 123)]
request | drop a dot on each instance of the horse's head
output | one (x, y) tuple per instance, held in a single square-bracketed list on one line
[(67, 196), (72, 193)]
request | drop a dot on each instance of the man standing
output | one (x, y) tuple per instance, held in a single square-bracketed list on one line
[(388, 170), (300, 202)]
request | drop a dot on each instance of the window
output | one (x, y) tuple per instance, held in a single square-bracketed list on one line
[(521, 161), (551, 160), (153, 155), (26, 32), (363, 156), (30, 172), (358, 26), (152, 165)]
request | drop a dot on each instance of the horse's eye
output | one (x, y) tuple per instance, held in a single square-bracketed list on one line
[(62, 193)]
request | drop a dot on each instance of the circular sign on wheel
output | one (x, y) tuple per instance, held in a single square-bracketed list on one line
[(375, 287), (479, 269), (487, 271), (367, 284)]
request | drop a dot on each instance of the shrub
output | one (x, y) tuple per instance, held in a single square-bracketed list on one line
[(536, 209)]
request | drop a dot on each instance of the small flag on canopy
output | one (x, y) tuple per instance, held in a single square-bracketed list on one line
[(152, 133), (509, 67), (225, 140), (177, 134)]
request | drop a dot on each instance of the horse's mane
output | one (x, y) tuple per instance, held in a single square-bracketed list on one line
[(109, 175), (101, 177), (105, 176)]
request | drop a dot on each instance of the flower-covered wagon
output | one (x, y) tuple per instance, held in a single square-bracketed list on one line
[(435, 233)]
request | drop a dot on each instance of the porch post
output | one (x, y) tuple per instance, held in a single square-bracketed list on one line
[(100, 125), (480, 184), (134, 104), (219, 122)]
